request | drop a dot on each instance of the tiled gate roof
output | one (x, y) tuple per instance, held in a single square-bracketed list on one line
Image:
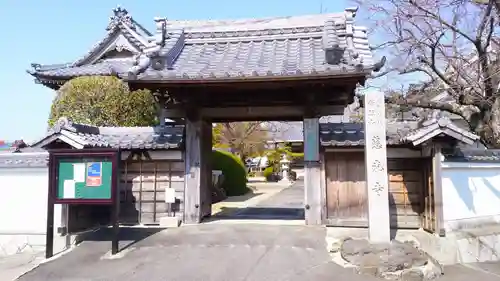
[(314, 45)]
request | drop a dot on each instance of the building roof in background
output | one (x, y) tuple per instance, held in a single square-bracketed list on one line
[(4, 145), (311, 45), (286, 131), (86, 136), (353, 134), (398, 133), (342, 134), (9, 146)]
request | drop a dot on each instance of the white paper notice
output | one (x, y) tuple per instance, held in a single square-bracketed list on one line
[(69, 189), (79, 172), (169, 195)]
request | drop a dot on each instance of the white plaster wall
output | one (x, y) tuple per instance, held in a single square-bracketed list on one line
[(23, 209), (471, 194)]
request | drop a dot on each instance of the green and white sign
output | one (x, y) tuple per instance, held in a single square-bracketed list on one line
[(84, 180)]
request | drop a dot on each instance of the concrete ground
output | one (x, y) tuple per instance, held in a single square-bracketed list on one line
[(484, 271), (205, 252), (224, 251), (13, 266), (272, 201), (258, 192)]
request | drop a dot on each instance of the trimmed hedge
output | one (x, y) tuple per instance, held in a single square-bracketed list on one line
[(234, 171), (268, 172)]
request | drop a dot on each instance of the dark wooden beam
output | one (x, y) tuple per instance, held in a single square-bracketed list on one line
[(252, 113), (262, 82)]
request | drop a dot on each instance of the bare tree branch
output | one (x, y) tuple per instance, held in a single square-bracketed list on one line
[(446, 48)]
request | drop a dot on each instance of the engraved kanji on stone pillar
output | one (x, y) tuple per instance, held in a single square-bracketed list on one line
[(376, 168)]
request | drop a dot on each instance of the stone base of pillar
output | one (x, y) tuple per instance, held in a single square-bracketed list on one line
[(169, 222)]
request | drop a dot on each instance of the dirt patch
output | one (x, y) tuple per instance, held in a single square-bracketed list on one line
[(391, 261)]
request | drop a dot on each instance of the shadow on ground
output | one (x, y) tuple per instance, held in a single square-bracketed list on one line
[(260, 213), (127, 237), (242, 252)]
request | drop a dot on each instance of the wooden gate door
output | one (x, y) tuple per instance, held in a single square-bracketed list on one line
[(142, 190), (406, 187), (346, 197)]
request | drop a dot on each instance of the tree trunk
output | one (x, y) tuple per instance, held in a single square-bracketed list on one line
[(491, 132)]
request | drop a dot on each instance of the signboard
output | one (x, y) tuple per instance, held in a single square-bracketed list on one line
[(311, 139), (84, 179), (82, 176)]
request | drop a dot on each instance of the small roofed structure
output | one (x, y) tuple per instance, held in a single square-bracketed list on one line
[(66, 134)]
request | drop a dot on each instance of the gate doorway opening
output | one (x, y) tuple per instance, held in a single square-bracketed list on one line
[(254, 171)]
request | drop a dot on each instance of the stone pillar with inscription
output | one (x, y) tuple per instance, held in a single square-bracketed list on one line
[(376, 168)]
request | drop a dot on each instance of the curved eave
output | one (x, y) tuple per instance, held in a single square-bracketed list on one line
[(56, 82), (361, 75)]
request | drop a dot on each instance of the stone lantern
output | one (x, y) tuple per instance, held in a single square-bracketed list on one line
[(285, 168)]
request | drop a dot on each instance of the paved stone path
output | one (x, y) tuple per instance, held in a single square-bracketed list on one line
[(242, 252), (288, 204)]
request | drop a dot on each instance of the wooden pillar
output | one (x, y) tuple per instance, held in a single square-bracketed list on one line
[(312, 173), (376, 168), (206, 168), (192, 177), (197, 178), (438, 189)]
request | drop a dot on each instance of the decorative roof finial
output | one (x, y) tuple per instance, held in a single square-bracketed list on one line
[(63, 123), (120, 15), (119, 11)]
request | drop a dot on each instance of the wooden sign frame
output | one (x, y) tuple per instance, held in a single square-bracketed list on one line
[(55, 156), (54, 159)]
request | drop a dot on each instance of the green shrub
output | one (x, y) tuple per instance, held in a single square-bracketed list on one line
[(268, 172), (234, 171)]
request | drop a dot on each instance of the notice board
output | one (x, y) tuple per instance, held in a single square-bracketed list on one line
[(83, 176), (87, 179)]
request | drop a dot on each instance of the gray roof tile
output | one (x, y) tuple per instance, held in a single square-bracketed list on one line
[(107, 67), (471, 155), (398, 132), (115, 137), (292, 46), (352, 134), (440, 126), (342, 134)]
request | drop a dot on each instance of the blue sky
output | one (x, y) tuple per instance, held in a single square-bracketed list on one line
[(51, 31)]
